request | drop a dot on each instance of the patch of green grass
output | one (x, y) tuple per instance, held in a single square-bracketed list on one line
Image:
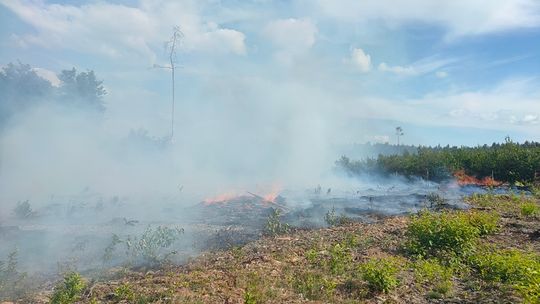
[(432, 273), (312, 256), (12, 282), (70, 290), (510, 266), (333, 219), (429, 233), (124, 292), (149, 248), (530, 209), (340, 258), (314, 285), (381, 273), (485, 222)]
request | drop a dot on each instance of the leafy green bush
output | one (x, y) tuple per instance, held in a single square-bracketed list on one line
[(521, 270), (70, 290), (313, 285), (124, 292), (23, 210), (530, 209), (12, 282), (433, 273), (381, 273), (274, 225), (340, 258), (332, 219), (485, 222), (435, 200), (430, 232), (148, 248)]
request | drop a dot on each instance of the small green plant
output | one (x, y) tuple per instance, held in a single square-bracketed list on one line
[(70, 290), (23, 210), (510, 266), (312, 256), (431, 272), (485, 222), (258, 288), (530, 209), (249, 298), (274, 225), (124, 292), (381, 274), (333, 220), (435, 200), (340, 258), (314, 285), (12, 282), (148, 248), (430, 232)]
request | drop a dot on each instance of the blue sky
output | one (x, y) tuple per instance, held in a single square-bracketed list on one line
[(448, 72)]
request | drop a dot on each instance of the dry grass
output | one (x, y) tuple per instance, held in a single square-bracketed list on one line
[(330, 265)]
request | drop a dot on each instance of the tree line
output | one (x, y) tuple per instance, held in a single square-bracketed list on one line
[(21, 88), (507, 162)]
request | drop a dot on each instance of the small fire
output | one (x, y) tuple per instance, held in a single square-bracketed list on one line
[(221, 198), (273, 193), (269, 195), (463, 179)]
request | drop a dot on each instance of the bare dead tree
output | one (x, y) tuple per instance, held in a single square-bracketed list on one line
[(171, 46), (399, 133)]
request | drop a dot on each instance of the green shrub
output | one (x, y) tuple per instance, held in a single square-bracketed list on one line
[(340, 258), (333, 220), (312, 256), (124, 292), (521, 270), (435, 200), (313, 285), (12, 282), (274, 225), (429, 232), (530, 209), (433, 273), (148, 248), (70, 290), (485, 222), (23, 210), (381, 274)]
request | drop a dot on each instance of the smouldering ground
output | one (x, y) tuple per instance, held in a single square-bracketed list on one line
[(328, 266)]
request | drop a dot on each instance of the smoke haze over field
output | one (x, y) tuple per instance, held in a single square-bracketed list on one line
[(269, 94)]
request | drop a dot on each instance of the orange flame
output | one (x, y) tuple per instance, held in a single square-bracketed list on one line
[(464, 179), (269, 195), (221, 198)]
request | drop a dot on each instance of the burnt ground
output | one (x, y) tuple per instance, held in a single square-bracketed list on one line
[(279, 269)]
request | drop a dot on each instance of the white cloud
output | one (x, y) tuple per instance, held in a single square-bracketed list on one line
[(118, 30), (292, 34), (420, 67), (510, 105), (441, 74), (292, 37), (48, 75), (398, 70), (361, 60), (459, 17)]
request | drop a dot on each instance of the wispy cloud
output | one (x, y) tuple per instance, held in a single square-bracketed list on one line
[(459, 17), (421, 67), (116, 30)]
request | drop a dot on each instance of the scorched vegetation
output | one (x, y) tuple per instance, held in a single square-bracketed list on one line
[(490, 253)]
